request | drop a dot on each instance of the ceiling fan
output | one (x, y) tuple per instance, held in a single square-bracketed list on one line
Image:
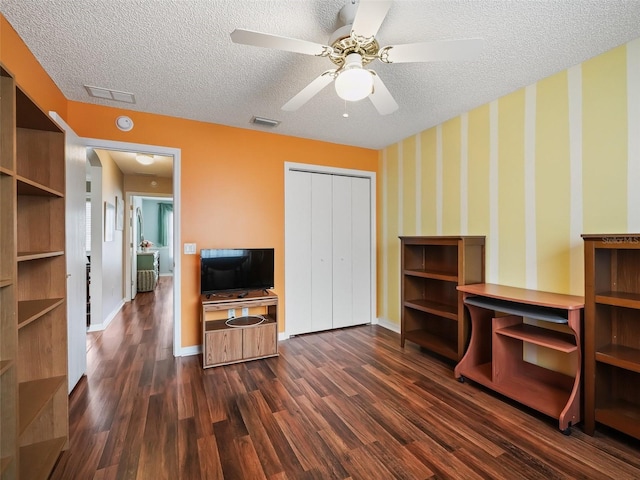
[(354, 46)]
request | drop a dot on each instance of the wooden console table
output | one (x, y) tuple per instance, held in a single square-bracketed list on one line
[(223, 344), (495, 359)]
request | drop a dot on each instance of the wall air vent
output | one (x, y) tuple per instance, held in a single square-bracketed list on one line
[(107, 94), (265, 122)]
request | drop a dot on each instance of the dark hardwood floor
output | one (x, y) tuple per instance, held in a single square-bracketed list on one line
[(342, 404)]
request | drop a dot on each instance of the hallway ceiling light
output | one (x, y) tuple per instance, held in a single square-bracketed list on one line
[(144, 158)]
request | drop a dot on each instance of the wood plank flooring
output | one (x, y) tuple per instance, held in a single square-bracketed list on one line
[(343, 404)]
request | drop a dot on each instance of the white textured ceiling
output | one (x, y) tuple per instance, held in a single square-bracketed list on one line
[(176, 56)]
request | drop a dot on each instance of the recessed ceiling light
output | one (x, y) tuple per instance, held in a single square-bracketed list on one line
[(144, 159)]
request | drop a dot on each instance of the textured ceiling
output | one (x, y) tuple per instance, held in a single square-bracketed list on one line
[(177, 58)]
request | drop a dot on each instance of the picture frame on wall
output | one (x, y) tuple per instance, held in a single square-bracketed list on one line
[(119, 214), (109, 221)]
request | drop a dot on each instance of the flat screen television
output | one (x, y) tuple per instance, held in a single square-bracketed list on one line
[(233, 269)]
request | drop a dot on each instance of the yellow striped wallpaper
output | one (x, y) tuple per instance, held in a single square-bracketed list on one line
[(531, 171)]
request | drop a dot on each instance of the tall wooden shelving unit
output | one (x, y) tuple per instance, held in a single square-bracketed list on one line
[(432, 310), (8, 331), (33, 360), (612, 332)]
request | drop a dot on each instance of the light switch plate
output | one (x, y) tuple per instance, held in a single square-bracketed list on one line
[(189, 248)]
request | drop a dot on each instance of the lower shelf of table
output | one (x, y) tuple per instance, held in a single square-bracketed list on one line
[(543, 390)]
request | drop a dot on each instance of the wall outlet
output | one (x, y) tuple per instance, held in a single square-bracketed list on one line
[(245, 311), (231, 313), (189, 248)]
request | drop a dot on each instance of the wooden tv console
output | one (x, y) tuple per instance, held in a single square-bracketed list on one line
[(223, 344), (495, 358)]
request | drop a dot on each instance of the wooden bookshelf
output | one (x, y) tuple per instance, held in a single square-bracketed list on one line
[(432, 312), (33, 323), (612, 332)]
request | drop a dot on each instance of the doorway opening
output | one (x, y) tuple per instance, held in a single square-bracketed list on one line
[(130, 245)]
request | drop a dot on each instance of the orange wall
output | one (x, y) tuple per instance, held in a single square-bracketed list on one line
[(232, 180), (232, 184), (28, 73)]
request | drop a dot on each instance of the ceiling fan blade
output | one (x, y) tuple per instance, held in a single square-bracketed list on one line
[(446, 50), (369, 17), (308, 92), (381, 97), (266, 40)]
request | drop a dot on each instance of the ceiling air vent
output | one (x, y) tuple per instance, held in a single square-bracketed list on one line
[(265, 122), (108, 94)]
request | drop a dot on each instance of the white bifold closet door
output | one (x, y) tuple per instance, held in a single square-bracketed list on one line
[(328, 271)]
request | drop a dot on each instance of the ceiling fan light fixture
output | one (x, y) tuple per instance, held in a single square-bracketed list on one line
[(144, 159), (353, 82)]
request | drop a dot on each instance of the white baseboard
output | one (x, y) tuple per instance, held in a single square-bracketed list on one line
[(98, 327), (283, 336), (192, 350), (389, 325)]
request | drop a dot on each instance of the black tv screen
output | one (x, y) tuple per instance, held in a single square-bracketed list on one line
[(235, 269)]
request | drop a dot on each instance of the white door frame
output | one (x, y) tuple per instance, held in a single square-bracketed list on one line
[(303, 167), (177, 258), (75, 252)]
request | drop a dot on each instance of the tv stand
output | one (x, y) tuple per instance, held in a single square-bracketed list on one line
[(223, 344)]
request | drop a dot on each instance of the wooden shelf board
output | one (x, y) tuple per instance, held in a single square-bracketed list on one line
[(432, 342), (621, 415), (562, 342), (5, 365), (5, 282), (34, 395), (435, 308), (620, 356), (37, 460), (442, 275), (29, 187), (4, 464), (619, 299), (525, 389), (6, 171), (30, 310), (25, 256)]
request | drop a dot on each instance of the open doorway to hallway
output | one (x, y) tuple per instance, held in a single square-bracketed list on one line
[(137, 179)]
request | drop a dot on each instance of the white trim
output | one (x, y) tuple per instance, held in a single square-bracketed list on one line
[(464, 173), (283, 336), (384, 307), (101, 326), (400, 212), (530, 241), (177, 253), (418, 184), (576, 256), (494, 232), (633, 136), (439, 180), (388, 324), (302, 167), (188, 351)]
